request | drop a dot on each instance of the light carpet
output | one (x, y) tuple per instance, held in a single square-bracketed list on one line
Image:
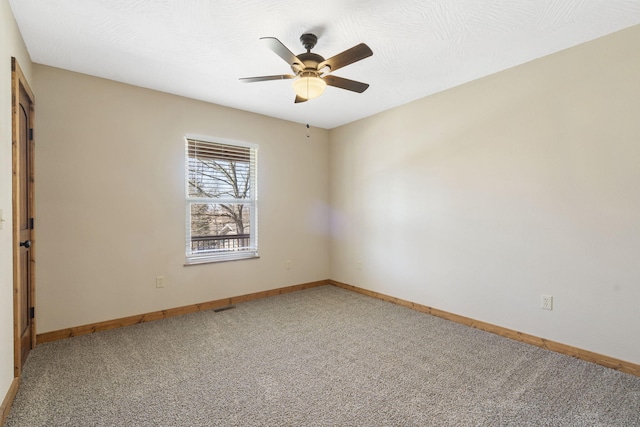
[(319, 357)]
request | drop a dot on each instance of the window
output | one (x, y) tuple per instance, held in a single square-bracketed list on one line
[(221, 200)]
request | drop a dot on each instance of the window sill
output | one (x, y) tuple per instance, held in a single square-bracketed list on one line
[(212, 260)]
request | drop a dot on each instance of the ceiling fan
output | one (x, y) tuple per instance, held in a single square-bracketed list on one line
[(311, 71)]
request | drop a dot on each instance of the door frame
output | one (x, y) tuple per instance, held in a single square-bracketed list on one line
[(18, 82)]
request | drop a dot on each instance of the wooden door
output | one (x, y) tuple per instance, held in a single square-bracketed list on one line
[(23, 217)]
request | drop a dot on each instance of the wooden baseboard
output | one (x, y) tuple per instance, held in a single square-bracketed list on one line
[(589, 356), (8, 400), (163, 314)]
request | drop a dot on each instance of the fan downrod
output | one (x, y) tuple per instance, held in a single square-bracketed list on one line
[(308, 41)]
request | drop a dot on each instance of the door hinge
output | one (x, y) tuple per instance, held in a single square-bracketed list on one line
[(32, 313), (31, 221), (30, 134)]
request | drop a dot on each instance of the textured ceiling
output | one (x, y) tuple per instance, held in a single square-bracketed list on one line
[(199, 48)]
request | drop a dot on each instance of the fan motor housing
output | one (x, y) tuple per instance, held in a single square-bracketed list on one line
[(310, 61)]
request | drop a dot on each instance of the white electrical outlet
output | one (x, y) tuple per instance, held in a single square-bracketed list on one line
[(159, 281), (289, 264), (546, 302), (359, 265)]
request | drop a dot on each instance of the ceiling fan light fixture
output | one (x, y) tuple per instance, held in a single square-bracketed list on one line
[(308, 85), (311, 71)]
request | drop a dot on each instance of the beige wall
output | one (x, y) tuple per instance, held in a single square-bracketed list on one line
[(110, 201), (479, 199), (11, 45)]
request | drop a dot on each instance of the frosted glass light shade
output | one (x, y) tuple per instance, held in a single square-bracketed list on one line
[(309, 86)]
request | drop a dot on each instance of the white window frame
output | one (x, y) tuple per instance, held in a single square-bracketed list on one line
[(201, 257)]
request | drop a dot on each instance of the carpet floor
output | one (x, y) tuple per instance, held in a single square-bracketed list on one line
[(319, 357)]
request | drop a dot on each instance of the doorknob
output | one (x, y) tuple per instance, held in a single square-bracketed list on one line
[(26, 244)]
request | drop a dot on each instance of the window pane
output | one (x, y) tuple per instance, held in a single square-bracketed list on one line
[(220, 227), (218, 178)]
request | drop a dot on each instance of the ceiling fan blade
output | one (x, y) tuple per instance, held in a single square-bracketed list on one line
[(300, 99), (347, 84), (283, 52), (267, 78), (347, 57)]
